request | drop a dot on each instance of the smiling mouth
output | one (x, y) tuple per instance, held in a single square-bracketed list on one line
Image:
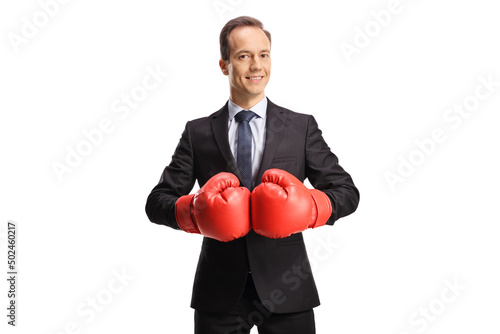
[(257, 78)]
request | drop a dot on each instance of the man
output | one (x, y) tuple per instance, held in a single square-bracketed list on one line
[(252, 205)]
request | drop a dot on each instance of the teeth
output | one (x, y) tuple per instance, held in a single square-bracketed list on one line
[(255, 78)]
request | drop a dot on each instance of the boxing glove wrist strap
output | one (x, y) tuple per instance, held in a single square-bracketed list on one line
[(323, 206), (183, 214)]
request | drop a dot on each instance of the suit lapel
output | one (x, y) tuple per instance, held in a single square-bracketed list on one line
[(219, 127), (275, 124)]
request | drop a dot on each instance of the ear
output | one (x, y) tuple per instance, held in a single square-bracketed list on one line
[(223, 67)]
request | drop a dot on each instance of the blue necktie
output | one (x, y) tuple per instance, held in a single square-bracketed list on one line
[(244, 152)]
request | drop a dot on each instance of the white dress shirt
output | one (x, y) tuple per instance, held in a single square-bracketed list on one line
[(258, 127)]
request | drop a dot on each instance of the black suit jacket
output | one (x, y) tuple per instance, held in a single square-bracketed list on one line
[(280, 267)]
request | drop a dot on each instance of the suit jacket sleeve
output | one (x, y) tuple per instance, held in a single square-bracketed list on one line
[(325, 174), (176, 180)]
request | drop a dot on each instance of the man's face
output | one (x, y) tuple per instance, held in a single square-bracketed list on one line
[(249, 65)]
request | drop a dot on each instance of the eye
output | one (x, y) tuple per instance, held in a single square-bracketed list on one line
[(243, 56), (265, 55)]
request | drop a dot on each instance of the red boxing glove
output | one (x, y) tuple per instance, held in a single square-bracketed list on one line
[(219, 210), (282, 205)]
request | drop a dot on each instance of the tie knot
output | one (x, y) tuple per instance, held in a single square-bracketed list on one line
[(245, 116)]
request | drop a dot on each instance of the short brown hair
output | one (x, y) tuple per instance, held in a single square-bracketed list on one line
[(242, 21)]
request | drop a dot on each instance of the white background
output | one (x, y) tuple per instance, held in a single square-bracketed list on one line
[(390, 260)]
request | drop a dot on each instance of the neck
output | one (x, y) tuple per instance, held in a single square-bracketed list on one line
[(246, 102)]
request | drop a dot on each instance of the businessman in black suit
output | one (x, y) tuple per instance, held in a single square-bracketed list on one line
[(250, 279)]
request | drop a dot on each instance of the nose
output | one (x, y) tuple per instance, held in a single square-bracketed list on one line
[(255, 65)]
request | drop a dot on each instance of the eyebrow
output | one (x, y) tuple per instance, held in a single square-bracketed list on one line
[(248, 51)]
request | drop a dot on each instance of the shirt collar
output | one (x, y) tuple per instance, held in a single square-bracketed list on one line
[(260, 108)]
